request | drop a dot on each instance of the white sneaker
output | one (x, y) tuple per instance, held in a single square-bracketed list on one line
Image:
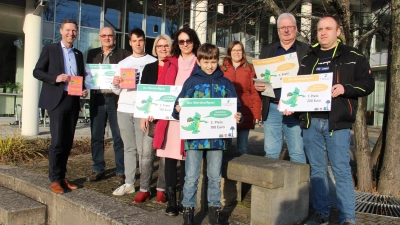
[(124, 189)]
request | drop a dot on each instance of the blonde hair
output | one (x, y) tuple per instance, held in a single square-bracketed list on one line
[(159, 37)]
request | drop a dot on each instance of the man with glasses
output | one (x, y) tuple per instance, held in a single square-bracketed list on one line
[(103, 106), (135, 140), (276, 125)]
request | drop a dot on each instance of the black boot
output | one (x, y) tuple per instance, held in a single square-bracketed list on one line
[(171, 209), (188, 215), (180, 199), (213, 215)]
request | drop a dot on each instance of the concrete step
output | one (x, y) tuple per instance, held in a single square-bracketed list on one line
[(16, 209)]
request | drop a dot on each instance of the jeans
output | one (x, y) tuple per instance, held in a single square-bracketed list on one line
[(101, 108), (275, 127), (322, 145), (136, 141), (241, 140), (193, 163)]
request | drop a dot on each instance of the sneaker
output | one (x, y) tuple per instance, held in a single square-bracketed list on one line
[(120, 179), (317, 219), (161, 197), (95, 176), (124, 189), (141, 197)]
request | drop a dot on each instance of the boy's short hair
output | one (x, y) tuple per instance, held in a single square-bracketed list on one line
[(138, 32), (208, 51)]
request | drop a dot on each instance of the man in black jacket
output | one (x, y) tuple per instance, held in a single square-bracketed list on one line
[(275, 123), (327, 134), (56, 64), (103, 105)]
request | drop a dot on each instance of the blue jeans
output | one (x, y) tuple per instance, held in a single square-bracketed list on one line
[(321, 145), (193, 162), (241, 140), (275, 127), (101, 108)]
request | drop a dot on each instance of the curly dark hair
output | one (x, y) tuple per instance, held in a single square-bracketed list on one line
[(176, 51)]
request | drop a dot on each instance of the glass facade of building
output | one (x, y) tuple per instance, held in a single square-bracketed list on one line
[(226, 21)]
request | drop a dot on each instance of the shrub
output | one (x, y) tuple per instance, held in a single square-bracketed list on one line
[(16, 148)]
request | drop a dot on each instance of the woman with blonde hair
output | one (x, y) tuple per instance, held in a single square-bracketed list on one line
[(150, 74)]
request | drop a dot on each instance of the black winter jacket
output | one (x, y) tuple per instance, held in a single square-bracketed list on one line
[(270, 51), (351, 69)]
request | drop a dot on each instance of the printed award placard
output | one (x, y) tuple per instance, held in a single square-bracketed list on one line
[(306, 93), (156, 100), (203, 118), (128, 77), (75, 85), (99, 76), (273, 69)]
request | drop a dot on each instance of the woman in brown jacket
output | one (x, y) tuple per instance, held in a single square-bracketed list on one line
[(241, 73)]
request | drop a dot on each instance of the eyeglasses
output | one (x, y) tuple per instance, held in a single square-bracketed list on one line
[(287, 28), (162, 46), (182, 42), (107, 35), (237, 50)]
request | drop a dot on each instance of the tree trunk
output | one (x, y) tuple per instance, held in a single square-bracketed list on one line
[(376, 151), (362, 149), (389, 180)]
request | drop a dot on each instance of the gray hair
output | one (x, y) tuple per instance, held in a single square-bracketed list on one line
[(159, 37), (112, 30), (286, 15)]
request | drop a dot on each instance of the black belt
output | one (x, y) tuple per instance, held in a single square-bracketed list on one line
[(98, 92)]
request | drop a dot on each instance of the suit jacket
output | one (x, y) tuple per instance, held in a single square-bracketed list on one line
[(96, 56), (150, 73), (48, 67), (269, 51)]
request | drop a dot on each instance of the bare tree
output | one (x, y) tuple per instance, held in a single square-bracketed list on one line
[(389, 180)]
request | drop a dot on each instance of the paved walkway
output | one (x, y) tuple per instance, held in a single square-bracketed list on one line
[(239, 215)]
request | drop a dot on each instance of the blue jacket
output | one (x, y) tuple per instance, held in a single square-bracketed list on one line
[(202, 85)]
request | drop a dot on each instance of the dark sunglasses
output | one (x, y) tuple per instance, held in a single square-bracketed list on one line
[(182, 42)]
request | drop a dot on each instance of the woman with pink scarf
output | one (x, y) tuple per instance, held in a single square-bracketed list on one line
[(176, 70)]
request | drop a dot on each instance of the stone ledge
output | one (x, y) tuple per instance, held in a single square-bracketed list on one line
[(81, 206), (19, 209)]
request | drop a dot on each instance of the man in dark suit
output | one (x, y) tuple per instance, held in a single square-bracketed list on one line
[(56, 64), (276, 125), (103, 105)]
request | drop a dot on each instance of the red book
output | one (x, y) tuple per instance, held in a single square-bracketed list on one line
[(75, 85), (128, 77)]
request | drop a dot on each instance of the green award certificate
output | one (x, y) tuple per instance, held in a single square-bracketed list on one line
[(204, 118), (156, 100), (99, 76)]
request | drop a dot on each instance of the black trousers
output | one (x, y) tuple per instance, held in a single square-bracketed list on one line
[(171, 172), (63, 121)]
